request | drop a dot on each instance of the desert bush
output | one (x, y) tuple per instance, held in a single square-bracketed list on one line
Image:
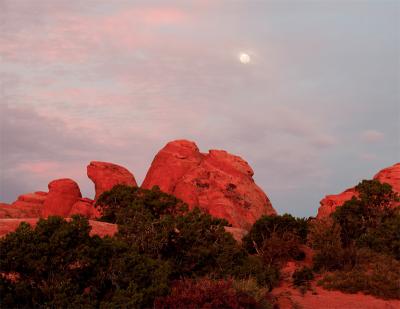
[(368, 217), (207, 293), (267, 226), (374, 274), (276, 239), (385, 237), (113, 203), (254, 267), (160, 226), (198, 245), (278, 249), (302, 276), (325, 238), (58, 264), (252, 288)]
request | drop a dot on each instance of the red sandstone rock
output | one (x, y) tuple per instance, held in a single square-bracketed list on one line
[(63, 194), (390, 175), (171, 163), (98, 228), (236, 232), (218, 182), (106, 175), (27, 205), (330, 202), (84, 207)]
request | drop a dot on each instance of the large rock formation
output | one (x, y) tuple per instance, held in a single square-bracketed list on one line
[(65, 198), (63, 194), (218, 182), (390, 175), (27, 205), (106, 175)]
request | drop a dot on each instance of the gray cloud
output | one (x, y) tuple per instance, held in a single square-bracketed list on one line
[(115, 81)]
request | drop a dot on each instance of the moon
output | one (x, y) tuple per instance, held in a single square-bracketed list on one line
[(244, 58)]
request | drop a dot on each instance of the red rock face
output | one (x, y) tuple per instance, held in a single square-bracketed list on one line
[(218, 182), (106, 175), (84, 207), (171, 163), (390, 175), (27, 205), (64, 198), (63, 194)]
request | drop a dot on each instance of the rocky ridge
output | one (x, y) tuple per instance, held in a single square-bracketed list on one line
[(218, 182), (329, 203)]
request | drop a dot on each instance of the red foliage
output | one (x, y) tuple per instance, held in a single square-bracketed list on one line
[(205, 293)]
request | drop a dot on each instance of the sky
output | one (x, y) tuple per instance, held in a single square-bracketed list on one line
[(316, 110)]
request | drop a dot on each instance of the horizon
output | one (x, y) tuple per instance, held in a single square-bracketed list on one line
[(307, 92)]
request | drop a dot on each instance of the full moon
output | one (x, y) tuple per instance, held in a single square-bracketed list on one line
[(244, 58)]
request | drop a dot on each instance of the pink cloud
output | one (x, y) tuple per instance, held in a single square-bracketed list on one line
[(45, 167), (371, 136), (75, 38)]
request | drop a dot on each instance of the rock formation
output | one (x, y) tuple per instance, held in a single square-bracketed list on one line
[(27, 205), (218, 182), (84, 207), (390, 175), (64, 197), (106, 175), (330, 202), (63, 193)]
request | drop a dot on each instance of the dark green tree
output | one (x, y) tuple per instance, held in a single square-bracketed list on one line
[(58, 264)]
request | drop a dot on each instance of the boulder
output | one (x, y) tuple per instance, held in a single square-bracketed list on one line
[(84, 207), (329, 203), (106, 175), (218, 182), (63, 194)]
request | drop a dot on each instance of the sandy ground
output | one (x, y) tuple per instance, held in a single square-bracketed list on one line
[(288, 297)]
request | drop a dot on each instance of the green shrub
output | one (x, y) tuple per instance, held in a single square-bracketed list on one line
[(374, 274), (59, 265), (267, 226), (113, 203), (385, 237), (365, 218), (198, 245), (254, 267)]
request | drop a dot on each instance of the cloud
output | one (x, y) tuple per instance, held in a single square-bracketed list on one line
[(372, 136), (117, 80), (67, 37), (368, 156)]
